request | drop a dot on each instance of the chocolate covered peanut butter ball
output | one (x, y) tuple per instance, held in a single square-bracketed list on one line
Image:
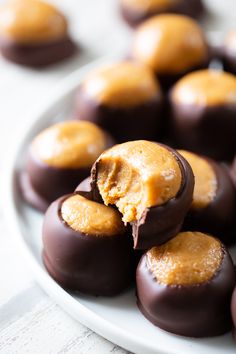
[(86, 246), (172, 46), (213, 208), (123, 98), (34, 33), (204, 113), (185, 286), (59, 158), (150, 184)]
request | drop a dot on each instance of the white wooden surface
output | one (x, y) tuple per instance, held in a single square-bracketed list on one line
[(30, 322)]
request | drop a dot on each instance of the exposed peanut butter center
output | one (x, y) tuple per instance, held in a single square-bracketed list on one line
[(170, 44), (31, 22), (91, 218), (206, 88), (230, 42), (205, 180), (137, 175), (122, 84), (190, 258), (69, 144), (150, 5)]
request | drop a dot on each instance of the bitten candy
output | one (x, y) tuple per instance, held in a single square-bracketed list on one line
[(86, 246), (185, 286), (123, 98), (172, 46), (136, 11), (204, 113), (213, 208), (150, 184), (34, 33), (59, 158)]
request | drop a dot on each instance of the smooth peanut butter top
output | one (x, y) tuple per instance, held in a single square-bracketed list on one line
[(91, 218), (190, 258), (206, 88), (205, 180), (69, 144), (137, 175), (31, 22), (170, 44), (122, 84), (230, 42), (150, 5)]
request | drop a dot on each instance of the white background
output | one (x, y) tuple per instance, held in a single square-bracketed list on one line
[(29, 321)]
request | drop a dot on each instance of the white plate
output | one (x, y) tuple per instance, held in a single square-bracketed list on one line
[(116, 319)]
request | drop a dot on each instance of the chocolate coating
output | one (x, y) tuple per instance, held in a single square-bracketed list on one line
[(200, 310), (192, 8), (38, 55), (233, 310), (218, 217), (84, 186), (205, 122), (30, 195), (233, 171), (205, 130), (158, 224), (168, 80), (227, 53), (229, 62), (53, 182), (123, 124), (95, 265)]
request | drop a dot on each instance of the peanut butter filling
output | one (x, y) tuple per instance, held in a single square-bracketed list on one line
[(91, 218), (31, 22), (137, 175), (170, 44), (122, 84), (205, 180), (230, 42), (69, 144), (150, 5), (206, 88), (190, 258)]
